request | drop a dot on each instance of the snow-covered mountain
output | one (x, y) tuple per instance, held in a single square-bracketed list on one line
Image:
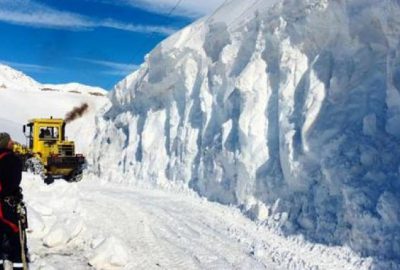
[(75, 88), (14, 79), (22, 98), (288, 109)]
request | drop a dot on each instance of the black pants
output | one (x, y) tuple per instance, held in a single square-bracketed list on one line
[(10, 247), (10, 244)]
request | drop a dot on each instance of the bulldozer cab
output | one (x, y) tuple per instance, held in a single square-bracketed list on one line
[(47, 137), (48, 153), (44, 131)]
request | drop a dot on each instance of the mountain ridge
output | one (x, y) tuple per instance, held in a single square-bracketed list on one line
[(11, 78)]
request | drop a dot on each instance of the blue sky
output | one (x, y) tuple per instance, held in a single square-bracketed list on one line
[(95, 42)]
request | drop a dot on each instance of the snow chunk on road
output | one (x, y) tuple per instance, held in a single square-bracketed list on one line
[(111, 254)]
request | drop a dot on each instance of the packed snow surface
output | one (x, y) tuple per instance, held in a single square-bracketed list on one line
[(288, 109), (98, 225)]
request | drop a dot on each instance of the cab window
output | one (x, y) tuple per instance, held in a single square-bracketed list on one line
[(48, 133)]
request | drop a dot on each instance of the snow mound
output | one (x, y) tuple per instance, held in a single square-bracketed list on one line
[(287, 109), (58, 223), (110, 254)]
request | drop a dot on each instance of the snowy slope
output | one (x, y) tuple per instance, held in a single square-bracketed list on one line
[(75, 88), (22, 98), (16, 80), (288, 109), (11, 78)]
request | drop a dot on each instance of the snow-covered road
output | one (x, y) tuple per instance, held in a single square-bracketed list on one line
[(90, 225)]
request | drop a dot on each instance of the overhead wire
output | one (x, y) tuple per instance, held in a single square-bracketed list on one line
[(244, 12), (169, 14), (217, 10), (174, 8), (209, 17)]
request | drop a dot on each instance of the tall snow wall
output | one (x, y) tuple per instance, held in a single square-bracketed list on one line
[(287, 109)]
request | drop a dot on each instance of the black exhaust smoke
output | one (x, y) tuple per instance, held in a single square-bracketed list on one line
[(76, 113)]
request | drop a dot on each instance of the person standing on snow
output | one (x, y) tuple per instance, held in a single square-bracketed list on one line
[(12, 210)]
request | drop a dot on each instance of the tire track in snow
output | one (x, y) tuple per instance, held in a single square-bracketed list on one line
[(173, 231), (186, 233), (142, 233)]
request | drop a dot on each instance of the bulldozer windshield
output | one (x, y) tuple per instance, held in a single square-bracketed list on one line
[(48, 133)]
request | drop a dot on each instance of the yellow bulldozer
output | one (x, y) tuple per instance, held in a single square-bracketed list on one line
[(48, 152)]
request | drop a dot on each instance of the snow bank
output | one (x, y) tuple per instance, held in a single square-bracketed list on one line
[(288, 109), (58, 227)]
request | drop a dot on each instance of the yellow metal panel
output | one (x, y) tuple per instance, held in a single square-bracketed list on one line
[(46, 146), (47, 140)]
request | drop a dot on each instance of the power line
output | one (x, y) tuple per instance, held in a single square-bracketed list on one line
[(208, 19), (174, 8), (218, 9), (179, 2), (244, 12), (150, 36)]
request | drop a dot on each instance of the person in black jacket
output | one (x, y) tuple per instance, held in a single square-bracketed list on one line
[(11, 231)]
